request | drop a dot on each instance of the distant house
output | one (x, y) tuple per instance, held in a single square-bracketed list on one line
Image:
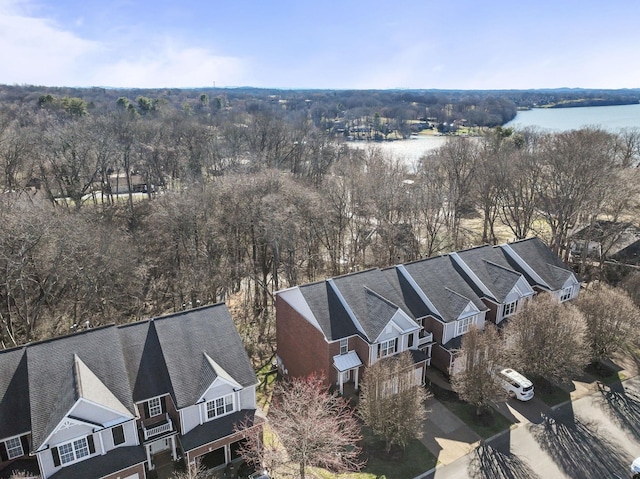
[(602, 240), (342, 325), (110, 402)]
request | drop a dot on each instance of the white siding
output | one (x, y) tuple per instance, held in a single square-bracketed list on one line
[(67, 434), (101, 415), (248, 398), (130, 437), (190, 418)]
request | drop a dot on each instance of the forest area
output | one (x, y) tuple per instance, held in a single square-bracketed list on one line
[(116, 208)]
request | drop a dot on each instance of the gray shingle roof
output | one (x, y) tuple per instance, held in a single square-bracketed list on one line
[(492, 268), (543, 261), (15, 414), (214, 430), (370, 296), (100, 466), (52, 383), (40, 382), (444, 286)]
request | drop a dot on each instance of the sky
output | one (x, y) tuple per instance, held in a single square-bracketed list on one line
[(347, 44)]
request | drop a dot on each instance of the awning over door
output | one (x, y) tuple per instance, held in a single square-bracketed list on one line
[(344, 362)]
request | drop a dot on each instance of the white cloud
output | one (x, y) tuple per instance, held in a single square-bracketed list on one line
[(172, 67), (36, 51)]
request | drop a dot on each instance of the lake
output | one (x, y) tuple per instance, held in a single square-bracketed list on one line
[(610, 118), (409, 151)]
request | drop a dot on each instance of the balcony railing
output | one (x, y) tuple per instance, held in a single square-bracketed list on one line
[(425, 338), (157, 429)]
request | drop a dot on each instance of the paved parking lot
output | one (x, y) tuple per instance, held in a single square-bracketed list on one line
[(594, 437)]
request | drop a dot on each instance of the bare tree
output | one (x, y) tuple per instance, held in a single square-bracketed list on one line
[(260, 447), (477, 382), (193, 471), (547, 339), (391, 402), (315, 427), (611, 319)]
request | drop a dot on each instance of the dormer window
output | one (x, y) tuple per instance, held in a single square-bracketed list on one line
[(219, 406), (14, 448), (463, 325), (509, 309), (387, 348), (344, 346), (72, 451), (565, 295), (154, 407)]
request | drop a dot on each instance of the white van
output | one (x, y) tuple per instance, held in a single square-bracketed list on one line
[(516, 384)]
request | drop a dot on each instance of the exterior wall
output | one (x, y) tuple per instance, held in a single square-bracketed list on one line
[(65, 435), (212, 446), (435, 327), (440, 358), (197, 414), (492, 314), (106, 437), (248, 398), (127, 473), (190, 418), (302, 349), (170, 408)]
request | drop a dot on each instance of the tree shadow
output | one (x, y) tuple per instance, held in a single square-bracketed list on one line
[(490, 463), (578, 449), (622, 405)]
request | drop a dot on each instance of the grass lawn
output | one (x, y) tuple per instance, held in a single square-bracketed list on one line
[(490, 422), (549, 392), (604, 374), (415, 460)]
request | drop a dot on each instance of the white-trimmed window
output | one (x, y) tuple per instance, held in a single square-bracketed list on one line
[(509, 309), (565, 295), (387, 348), (74, 450), (463, 325), (344, 346), (155, 407), (14, 447), (220, 406)]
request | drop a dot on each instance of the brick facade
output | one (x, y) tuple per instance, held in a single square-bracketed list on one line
[(302, 349)]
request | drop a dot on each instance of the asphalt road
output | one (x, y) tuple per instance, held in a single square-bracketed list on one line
[(595, 437)]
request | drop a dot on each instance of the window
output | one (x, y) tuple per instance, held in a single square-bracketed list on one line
[(508, 309), (344, 346), (220, 406), (74, 450), (155, 407), (387, 348), (462, 325), (410, 341), (566, 294), (118, 435), (423, 333), (14, 448)]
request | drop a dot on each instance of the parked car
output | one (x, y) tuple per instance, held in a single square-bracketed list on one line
[(516, 384)]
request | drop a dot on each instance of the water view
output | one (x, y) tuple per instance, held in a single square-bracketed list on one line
[(611, 118), (409, 151)]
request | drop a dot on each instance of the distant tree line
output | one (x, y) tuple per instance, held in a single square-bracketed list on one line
[(141, 208)]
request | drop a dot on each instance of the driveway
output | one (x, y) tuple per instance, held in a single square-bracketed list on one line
[(594, 437), (445, 435)]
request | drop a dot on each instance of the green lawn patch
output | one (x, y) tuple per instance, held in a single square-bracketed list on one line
[(397, 464), (550, 393), (489, 423)]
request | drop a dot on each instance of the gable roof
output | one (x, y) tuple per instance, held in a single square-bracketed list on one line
[(542, 260), (443, 285), (115, 366), (492, 269), (360, 303)]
